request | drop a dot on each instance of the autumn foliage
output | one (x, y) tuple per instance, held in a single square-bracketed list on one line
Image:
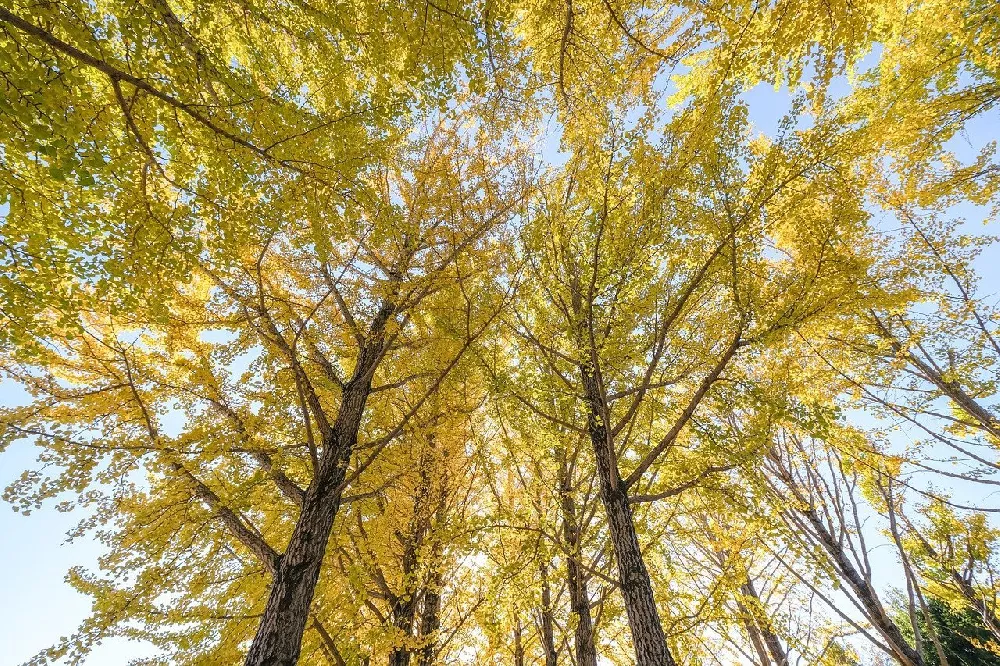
[(500, 333)]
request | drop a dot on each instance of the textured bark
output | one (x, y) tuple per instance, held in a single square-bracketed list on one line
[(403, 611), (404, 606), (279, 636), (579, 598), (583, 635), (547, 623), (430, 619), (648, 638)]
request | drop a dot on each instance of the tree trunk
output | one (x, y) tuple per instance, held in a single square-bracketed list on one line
[(279, 636), (767, 635), (404, 606), (904, 653), (547, 624), (430, 619), (403, 611), (518, 644), (579, 598), (754, 633), (648, 638)]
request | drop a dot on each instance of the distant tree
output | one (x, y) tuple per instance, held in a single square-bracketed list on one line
[(962, 633)]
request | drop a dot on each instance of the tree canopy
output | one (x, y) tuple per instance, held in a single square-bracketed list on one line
[(500, 333)]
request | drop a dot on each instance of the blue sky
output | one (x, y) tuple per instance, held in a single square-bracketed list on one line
[(40, 606), (35, 555)]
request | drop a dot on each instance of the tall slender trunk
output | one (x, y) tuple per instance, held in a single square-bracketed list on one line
[(518, 644), (753, 631), (648, 638), (863, 590), (579, 597), (547, 623), (430, 618), (403, 611), (404, 607), (767, 635), (279, 636)]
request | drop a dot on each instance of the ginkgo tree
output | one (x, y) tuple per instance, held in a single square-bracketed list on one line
[(346, 365)]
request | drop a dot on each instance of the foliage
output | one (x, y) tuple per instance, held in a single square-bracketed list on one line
[(962, 634), (479, 332)]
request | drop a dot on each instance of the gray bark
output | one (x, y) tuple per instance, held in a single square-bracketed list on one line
[(648, 638)]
